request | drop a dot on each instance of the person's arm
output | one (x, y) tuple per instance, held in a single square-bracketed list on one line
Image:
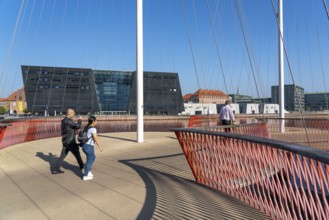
[(221, 113), (232, 115), (73, 125), (95, 137)]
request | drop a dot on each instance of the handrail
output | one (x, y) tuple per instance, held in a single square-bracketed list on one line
[(230, 126), (4, 125), (283, 180), (36, 128), (314, 153)]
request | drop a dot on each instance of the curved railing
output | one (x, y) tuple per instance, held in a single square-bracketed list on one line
[(213, 120), (309, 131), (283, 180), (252, 129), (30, 129), (3, 128), (313, 132)]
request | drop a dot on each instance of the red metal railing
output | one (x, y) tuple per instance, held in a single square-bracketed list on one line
[(285, 181), (3, 128), (213, 120), (253, 129), (30, 129), (313, 132), (309, 132)]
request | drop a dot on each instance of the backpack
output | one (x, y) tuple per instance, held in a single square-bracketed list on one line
[(83, 137)]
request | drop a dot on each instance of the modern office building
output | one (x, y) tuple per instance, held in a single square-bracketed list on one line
[(51, 90), (162, 94), (293, 95), (237, 98), (318, 101)]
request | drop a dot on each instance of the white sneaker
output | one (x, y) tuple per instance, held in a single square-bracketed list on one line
[(87, 177), (90, 174)]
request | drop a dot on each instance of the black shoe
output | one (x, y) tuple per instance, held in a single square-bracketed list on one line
[(59, 171)]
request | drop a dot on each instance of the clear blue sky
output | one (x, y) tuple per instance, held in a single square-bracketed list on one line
[(100, 34)]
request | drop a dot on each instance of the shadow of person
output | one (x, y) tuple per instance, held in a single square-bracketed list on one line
[(51, 159)]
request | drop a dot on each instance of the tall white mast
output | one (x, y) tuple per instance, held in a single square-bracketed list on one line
[(140, 78), (281, 65)]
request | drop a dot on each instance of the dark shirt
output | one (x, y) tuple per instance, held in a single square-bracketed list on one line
[(68, 128)]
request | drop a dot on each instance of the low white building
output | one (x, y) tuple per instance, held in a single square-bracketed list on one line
[(256, 108), (249, 108), (270, 108), (199, 109)]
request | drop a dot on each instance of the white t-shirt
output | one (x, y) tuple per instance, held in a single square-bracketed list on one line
[(226, 113), (90, 133)]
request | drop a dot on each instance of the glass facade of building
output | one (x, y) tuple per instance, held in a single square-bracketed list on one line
[(317, 101), (113, 90), (162, 94), (52, 90)]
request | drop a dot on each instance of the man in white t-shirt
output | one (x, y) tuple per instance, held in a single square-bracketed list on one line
[(226, 115)]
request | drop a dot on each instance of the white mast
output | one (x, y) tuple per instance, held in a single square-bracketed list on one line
[(281, 66), (140, 78)]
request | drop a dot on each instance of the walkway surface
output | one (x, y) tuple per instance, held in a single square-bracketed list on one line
[(149, 180)]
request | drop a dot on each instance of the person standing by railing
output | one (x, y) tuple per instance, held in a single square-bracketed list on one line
[(226, 115)]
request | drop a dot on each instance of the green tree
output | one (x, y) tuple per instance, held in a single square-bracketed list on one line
[(25, 110), (2, 110)]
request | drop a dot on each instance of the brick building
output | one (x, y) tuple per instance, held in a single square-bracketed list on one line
[(15, 102), (207, 96)]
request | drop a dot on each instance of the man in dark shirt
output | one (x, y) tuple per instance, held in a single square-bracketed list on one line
[(68, 128)]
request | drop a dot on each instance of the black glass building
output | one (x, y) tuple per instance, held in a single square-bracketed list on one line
[(52, 90)]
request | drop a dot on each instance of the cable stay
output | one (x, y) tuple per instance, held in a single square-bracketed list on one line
[(309, 54), (224, 43), (26, 33), (241, 48), (68, 62), (217, 47), (199, 44), (24, 40), (326, 8), (48, 32), (190, 44), (10, 49), (54, 69), (96, 60), (248, 52), (298, 47), (322, 69)]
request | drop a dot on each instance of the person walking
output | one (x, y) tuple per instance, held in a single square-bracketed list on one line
[(88, 147), (68, 128), (226, 115)]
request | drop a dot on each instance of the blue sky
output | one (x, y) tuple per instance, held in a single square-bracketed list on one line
[(201, 40)]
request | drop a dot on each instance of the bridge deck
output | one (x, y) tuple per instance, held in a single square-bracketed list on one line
[(149, 180)]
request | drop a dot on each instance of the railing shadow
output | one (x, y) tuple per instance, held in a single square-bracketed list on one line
[(172, 193)]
